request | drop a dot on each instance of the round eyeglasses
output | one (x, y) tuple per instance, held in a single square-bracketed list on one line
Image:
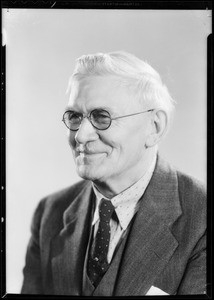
[(99, 118)]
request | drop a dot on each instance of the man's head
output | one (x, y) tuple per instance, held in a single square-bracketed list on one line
[(111, 86)]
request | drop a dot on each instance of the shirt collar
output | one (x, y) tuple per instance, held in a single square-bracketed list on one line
[(125, 203)]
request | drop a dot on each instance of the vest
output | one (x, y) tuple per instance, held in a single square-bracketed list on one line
[(108, 281)]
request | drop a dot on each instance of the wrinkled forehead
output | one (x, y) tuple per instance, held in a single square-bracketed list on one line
[(101, 91), (99, 83), (108, 89)]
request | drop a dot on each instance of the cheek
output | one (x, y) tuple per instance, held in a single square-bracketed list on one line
[(132, 146), (111, 138), (118, 144)]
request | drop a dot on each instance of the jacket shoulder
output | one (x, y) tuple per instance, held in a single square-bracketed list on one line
[(65, 196), (191, 199), (187, 182), (193, 202), (52, 207), (191, 191)]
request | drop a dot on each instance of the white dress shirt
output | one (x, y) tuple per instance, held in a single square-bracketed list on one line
[(126, 205)]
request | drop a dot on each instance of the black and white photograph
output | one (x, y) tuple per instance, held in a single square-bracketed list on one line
[(106, 151)]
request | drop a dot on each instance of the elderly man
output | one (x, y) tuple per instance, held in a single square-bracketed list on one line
[(134, 225)]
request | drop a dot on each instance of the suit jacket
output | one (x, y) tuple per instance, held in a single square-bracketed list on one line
[(166, 246)]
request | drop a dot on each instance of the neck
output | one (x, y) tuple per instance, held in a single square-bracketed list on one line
[(116, 185)]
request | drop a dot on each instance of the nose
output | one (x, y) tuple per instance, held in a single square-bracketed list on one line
[(86, 132)]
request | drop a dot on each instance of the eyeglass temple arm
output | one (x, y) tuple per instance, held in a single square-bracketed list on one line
[(141, 112)]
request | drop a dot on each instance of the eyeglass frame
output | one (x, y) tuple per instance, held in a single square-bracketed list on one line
[(111, 119)]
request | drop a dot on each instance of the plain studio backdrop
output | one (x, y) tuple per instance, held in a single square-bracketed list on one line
[(41, 48)]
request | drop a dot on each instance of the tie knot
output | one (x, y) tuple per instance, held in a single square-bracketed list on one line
[(105, 210)]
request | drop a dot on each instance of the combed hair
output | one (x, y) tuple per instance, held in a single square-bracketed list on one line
[(138, 75)]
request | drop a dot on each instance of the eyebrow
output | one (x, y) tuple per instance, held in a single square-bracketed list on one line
[(68, 108), (99, 107)]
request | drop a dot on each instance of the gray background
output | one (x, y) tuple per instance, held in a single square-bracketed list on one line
[(42, 46)]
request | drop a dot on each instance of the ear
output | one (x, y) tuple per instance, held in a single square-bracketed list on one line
[(159, 124)]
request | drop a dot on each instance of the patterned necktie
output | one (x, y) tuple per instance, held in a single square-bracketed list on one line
[(97, 263)]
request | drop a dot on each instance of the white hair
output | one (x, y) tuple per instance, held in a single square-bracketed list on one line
[(135, 73)]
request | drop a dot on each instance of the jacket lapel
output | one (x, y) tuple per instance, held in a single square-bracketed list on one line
[(69, 247), (151, 243)]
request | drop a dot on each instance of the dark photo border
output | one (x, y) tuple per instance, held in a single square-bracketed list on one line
[(178, 5)]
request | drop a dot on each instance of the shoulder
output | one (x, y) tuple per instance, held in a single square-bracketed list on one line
[(190, 185), (189, 192), (65, 196), (193, 203), (53, 206), (187, 185), (192, 195)]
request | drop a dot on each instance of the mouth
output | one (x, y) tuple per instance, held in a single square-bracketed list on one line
[(90, 154), (86, 157), (85, 151)]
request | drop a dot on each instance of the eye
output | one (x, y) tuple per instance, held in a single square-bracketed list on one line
[(72, 115), (100, 116)]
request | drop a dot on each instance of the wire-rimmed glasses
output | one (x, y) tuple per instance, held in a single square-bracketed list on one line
[(99, 118)]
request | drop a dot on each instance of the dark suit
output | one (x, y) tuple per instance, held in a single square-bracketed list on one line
[(165, 246)]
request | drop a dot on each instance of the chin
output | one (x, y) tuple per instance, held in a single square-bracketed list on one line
[(88, 173)]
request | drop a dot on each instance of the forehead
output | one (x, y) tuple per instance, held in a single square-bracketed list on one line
[(100, 91)]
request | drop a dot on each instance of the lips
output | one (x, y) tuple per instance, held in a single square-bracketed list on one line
[(86, 151), (90, 152)]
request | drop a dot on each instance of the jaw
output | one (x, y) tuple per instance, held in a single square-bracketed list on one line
[(91, 167)]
